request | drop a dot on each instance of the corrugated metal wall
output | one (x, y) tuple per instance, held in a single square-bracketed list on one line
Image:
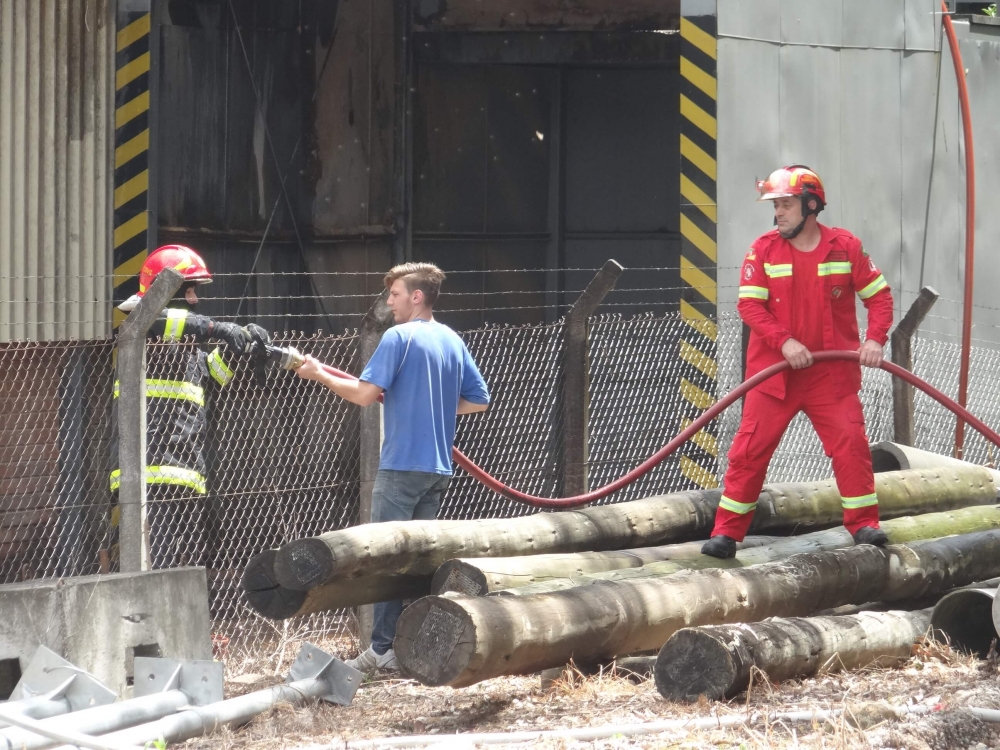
[(861, 92), (56, 98)]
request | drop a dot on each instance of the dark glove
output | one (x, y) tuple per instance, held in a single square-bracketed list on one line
[(258, 336), (238, 339)]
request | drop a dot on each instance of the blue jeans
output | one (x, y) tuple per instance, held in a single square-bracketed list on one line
[(401, 496)]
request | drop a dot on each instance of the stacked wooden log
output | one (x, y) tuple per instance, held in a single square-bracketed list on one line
[(515, 596)]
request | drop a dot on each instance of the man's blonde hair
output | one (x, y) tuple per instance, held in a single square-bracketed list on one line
[(423, 276)]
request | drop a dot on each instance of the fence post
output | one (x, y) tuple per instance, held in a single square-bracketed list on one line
[(902, 355), (131, 375), (576, 379), (377, 321)]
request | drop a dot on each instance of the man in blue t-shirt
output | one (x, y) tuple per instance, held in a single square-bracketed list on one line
[(427, 377)]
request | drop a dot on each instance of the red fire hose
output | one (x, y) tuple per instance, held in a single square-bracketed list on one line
[(718, 407)]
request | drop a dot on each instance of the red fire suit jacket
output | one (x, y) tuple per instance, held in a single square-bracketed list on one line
[(765, 303)]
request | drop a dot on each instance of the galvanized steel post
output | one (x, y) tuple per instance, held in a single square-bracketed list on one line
[(576, 379), (131, 376)]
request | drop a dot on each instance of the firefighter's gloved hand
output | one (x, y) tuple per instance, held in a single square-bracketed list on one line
[(237, 338), (258, 336)]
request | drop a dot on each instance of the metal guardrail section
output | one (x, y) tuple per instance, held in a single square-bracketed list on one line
[(283, 458)]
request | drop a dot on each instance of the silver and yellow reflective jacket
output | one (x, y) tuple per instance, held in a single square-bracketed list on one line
[(178, 378)]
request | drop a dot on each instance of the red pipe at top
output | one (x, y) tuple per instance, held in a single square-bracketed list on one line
[(970, 226)]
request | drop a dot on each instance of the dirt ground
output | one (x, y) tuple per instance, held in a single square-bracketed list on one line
[(936, 678)]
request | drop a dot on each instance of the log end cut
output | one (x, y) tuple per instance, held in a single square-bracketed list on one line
[(304, 564), (693, 663), (435, 639), (263, 593), (459, 577)]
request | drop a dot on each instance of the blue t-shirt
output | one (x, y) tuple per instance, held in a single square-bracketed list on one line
[(424, 368)]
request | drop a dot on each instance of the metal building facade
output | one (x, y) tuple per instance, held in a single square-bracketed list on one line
[(863, 93), (56, 100)]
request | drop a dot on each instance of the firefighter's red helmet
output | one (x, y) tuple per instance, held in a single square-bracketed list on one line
[(796, 180), (179, 257)]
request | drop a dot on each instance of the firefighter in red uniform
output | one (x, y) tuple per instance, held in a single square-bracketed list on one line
[(797, 288)]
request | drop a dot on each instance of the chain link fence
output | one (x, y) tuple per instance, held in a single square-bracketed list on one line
[(282, 455), (54, 458)]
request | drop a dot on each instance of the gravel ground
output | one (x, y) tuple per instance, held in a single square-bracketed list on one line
[(936, 679)]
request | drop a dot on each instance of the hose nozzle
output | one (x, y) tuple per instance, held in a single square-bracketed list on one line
[(285, 357)]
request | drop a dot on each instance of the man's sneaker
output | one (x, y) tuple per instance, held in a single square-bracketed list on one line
[(870, 535), (369, 661), (720, 546)]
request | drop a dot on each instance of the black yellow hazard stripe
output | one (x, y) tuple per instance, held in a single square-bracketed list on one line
[(132, 118), (699, 267)]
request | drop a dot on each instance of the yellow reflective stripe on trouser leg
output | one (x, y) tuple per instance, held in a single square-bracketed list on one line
[(166, 475), (180, 390), (173, 329), (175, 389), (874, 288), (859, 502), (735, 506), (177, 476), (218, 368)]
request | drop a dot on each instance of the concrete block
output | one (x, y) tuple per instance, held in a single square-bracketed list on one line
[(101, 623)]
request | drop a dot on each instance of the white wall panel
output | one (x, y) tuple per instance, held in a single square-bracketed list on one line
[(811, 118), (749, 144)]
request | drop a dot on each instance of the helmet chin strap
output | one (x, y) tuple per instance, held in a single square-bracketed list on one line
[(806, 213), (795, 232)]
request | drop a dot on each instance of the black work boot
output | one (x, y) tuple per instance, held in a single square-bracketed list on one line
[(870, 535), (720, 546)]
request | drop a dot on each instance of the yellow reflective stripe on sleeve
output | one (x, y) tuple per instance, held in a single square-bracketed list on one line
[(778, 270), (176, 389), (735, 506), (874, 288), (859, 502), (829, 269), (218, 368), (754, 292), (173, 329), (175, 475)]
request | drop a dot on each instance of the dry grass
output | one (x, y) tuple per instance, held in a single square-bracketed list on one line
[(936, 677)]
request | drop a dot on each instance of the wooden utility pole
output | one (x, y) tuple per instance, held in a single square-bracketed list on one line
[(717, 661), (461, 640), (419, 547), (537, 574)]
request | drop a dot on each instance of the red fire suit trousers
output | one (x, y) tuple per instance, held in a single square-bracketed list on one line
[(838, 421)]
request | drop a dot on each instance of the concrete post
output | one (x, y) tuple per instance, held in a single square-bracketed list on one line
[(376, 322), (576, 379), (902, 392), (131, 376)]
